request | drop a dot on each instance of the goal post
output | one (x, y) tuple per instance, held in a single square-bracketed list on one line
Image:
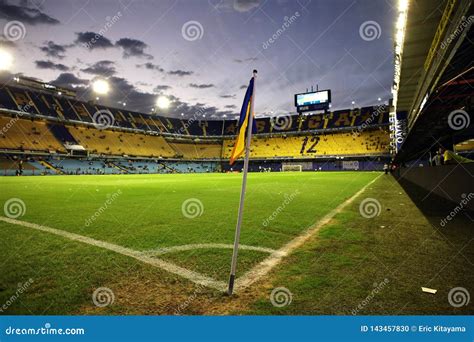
[(292, 167)]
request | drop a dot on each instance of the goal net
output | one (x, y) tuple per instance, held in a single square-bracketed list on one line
[(292, 167)]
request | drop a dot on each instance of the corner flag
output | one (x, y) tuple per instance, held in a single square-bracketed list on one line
[(245, 113), (242, 145)]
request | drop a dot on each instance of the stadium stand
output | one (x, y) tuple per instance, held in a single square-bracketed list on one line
[(121, 143), (57, 135), (197, 150), (331, 144), (21, 134)]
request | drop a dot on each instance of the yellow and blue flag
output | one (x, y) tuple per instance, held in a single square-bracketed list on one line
[(245, 113)]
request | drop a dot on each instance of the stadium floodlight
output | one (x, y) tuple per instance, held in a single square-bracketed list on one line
[(101, 87), (163, 102), (6, 60)]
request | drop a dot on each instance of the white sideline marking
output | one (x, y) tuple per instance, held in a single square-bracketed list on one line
[(168, 266), (165, 250), (265, 266)]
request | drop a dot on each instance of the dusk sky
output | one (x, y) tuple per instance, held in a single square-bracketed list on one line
[(200, 53)]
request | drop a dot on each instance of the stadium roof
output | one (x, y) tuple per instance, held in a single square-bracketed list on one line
[(437, 75)]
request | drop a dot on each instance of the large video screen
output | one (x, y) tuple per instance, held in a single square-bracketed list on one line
[(314, 98)]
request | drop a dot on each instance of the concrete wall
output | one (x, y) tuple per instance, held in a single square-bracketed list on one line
[(452, 182)]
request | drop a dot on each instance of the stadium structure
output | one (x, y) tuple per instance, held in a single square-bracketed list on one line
[(52, 132)]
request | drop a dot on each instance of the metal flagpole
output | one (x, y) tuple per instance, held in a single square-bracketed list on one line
[(242, 193)]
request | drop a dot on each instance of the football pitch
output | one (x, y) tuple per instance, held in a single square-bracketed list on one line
[(142, 244)]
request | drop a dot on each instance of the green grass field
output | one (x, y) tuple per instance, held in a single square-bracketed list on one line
[(147, 214)]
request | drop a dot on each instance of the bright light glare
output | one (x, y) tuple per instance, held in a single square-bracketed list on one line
[(163, 102), (101, 87), (402, 5), (6, 60)]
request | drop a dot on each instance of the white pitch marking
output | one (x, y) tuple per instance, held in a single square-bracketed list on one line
[(265, 266), (165, 250), (167, 266)]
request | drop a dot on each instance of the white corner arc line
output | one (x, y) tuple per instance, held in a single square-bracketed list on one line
[(182, 248), (165, 265), (265, 266)]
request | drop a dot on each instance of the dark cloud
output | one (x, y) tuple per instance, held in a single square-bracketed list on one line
[(150, 66), (51, 65), (51, 49), (67, 80), (122, 91), (228, 96), (92, 40), (133, 48), (201, 86), (26, 15), (103, 68), (180, 73), (245, 5), (231, 106), (243, 86), (159, 88)]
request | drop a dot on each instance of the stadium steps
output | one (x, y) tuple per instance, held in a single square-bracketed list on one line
[(51, 167), (171, 169), (120, 168)]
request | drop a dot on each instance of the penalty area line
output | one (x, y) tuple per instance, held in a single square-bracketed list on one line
[(265, 266), (160, 263)]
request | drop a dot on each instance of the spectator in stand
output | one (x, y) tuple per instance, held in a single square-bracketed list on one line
[(437, 160)]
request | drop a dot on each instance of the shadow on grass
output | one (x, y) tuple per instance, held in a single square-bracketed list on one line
[(436, 209)]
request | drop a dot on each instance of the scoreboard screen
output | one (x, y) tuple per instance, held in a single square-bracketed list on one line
[(313, 100)]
